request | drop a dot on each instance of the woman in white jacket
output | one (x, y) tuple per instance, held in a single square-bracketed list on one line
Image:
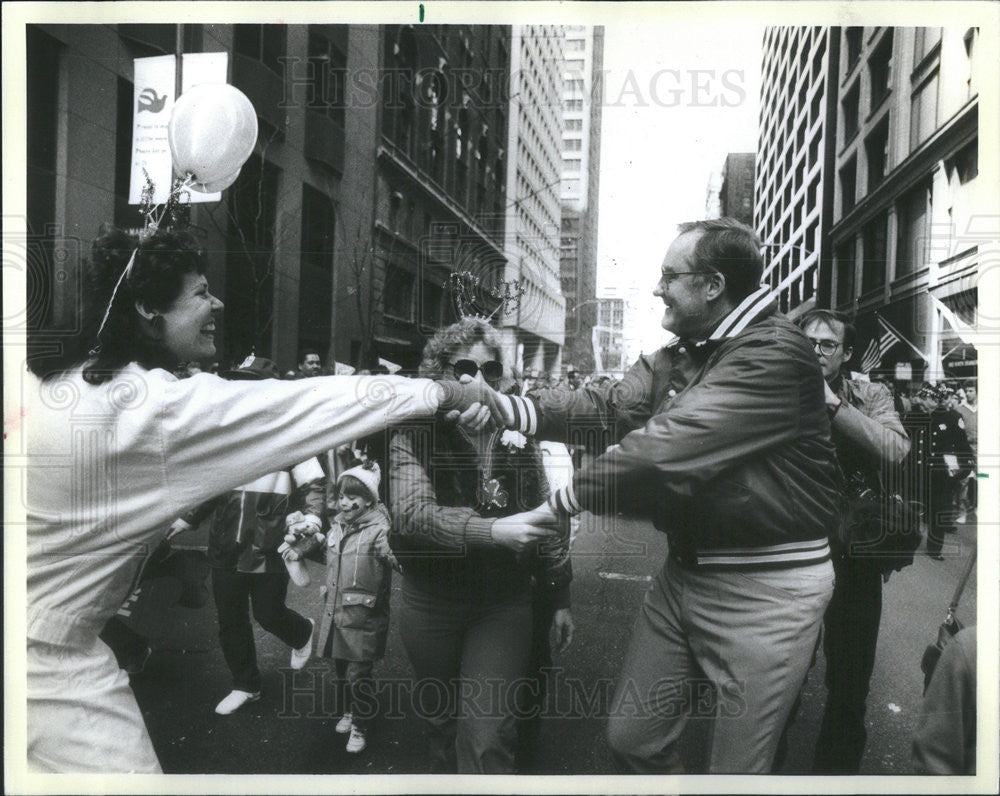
[(118, 447)]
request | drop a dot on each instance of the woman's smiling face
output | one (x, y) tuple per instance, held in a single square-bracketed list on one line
[(189, 324)]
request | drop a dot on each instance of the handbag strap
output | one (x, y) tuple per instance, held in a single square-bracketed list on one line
[(961, 584)]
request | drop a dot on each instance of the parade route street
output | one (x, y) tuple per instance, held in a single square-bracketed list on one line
[(291, 729)]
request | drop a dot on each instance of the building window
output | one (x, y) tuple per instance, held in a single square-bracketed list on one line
[(913, 214), (880, 70), (431, 303), (397, 294), (573, 85), (874, 251), (575, 45), (571, 186), (574, 105), (924, 42), (965, 163), (845, 272), (923, 111), (571, 165), (574, 124), (877, 153), (849, 111), (848, 186), (573, 145), (316, 269), (852, 45), (264, 43), (250, 260), (328, 71)]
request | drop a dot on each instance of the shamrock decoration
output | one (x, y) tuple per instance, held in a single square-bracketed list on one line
[(491, 494)]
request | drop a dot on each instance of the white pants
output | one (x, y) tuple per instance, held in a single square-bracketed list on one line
[(82, 715)]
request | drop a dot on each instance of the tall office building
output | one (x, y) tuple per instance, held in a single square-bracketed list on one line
[(534, 332), (910, 210), (793, 184), (730, 190), (441, 189), (609, 335), (581, 154), (868, 166)]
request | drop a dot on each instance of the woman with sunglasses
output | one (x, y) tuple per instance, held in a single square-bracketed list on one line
[(118, 447), (466, 617)]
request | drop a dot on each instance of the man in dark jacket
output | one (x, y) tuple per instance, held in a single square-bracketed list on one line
[(868, 436), (723, 440)]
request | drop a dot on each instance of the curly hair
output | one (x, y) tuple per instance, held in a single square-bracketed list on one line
[(448, 340), (157, 276)]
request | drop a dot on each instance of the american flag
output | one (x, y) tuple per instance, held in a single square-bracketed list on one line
[(877, 349)]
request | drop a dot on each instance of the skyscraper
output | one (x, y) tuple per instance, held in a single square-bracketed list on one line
[(534, 332), (581, 155)]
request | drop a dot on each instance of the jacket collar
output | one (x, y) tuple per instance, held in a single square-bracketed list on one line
[(756, 305)]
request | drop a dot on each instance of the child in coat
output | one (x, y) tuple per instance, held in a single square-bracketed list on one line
[(355, 621)]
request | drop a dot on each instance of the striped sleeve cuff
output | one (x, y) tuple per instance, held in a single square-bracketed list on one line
[(564, 500), (525, 415)]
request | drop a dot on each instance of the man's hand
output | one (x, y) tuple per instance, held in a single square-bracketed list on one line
[(461, 396), (520, 531), (475, 418), (831, 397), (562, 626)]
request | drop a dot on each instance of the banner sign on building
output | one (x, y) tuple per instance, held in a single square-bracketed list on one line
[(904, 371), (154, 100)]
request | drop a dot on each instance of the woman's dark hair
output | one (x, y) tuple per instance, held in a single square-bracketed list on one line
[(449, 339), (155, 280)]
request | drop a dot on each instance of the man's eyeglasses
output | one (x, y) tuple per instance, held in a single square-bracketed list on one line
[(666, 277), (825, 347), (492, 370)]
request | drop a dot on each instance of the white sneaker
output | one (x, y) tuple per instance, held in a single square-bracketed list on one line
[(345, 724), (301, 656), (235, 701), (356, 743)]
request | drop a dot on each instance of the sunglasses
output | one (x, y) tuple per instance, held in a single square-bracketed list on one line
[(492, 370)]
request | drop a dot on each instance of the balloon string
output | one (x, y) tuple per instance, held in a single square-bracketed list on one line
[(111, 301)]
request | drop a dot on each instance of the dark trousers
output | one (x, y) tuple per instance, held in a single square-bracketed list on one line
[(850, 636), (234, 593), (356, 690), (470, 656), (941, 510), (539, 671)]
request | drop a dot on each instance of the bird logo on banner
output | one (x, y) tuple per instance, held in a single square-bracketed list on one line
[(150, 101)]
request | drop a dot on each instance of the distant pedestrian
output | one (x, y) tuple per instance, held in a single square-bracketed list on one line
[(355, 621), (310, 364), (944, 456), (966, 493)]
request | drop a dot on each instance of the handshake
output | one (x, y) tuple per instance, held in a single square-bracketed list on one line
[(475, 403)]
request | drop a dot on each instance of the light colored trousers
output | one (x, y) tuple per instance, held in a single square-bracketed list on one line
[(82, 715), (732, 646)]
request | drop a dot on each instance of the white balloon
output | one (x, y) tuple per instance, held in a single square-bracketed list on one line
[(212, 132), (217, 185)]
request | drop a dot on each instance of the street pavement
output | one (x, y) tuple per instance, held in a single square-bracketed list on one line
[(291, 728)]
